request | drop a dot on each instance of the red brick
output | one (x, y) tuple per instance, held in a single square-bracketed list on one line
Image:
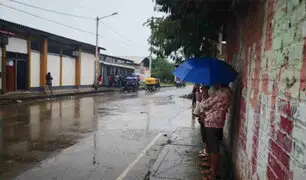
[(272, 132), (275, 166), (282, 157), (286, 125), (303, 70), (270, 174), (284, 141), (286, 107), (265, 83), (255, 151)]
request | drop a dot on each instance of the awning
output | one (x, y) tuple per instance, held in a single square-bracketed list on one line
[(117, 65)]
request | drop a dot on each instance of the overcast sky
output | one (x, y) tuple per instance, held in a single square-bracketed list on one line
[(132, 40)]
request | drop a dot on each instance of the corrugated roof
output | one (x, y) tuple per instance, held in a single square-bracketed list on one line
[(136, 59), (19, 28)]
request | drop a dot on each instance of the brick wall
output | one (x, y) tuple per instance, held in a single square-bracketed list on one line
[(267, 131)]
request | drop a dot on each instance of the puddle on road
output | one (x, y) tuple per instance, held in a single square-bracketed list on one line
[(29, 133), (165, 101)]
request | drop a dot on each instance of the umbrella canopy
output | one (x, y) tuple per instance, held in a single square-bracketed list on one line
[(208, 71)]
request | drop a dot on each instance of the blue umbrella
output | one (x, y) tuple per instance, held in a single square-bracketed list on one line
[(208, 71)]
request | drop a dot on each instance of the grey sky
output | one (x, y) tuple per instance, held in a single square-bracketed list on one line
[(129, 22)]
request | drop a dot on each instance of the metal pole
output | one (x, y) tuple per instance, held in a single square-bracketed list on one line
[(150, 60), (97, 64), (150, 64), (97, 53)]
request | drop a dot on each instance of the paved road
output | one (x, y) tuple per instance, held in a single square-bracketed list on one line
[(105, 136)]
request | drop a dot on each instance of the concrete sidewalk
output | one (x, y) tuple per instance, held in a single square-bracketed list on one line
[(179, 158), (13, 97)]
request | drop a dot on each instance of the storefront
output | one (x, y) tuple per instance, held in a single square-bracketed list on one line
[(111, 65)]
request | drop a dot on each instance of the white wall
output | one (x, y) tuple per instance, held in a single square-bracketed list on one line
[(68, 71), (17, 45), (53, 66), (87, 68), (35, 69)]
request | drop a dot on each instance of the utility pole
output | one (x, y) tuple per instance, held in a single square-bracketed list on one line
[(150, 63), (97, 53), (97, 59), (150, 59)]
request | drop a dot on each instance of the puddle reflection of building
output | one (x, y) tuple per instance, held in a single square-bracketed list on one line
[(14, 131), (45, 112), (60, 114), (95, 118), (34, 127), (77, 113)]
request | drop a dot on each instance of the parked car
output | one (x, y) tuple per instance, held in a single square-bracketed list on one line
[(130, 84)]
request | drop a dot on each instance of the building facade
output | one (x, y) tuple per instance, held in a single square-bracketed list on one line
[(111, 65), (267, 128), (141, 64), (28, 54)]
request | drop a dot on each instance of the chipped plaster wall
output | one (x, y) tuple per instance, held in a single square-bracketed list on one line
[(267, 129)]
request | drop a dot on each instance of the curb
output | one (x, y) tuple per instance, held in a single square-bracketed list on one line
[(7, 101)]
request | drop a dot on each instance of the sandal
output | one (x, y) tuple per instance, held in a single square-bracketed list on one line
[(202, 152), (206, 172), (203, 155), (209, 177), (205, 159), (205, 165)]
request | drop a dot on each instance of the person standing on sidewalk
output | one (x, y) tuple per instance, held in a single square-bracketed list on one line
[(202, 95), (215, 108), (110, 81), (194, 91), (100, 79), (49, 79)]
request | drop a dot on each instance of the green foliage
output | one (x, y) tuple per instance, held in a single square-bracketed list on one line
[(162, 69), (190, 28)]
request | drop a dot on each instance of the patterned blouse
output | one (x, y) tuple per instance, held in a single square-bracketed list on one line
[(216, 107)]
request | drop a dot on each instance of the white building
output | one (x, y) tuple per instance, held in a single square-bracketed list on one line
[(28, 54)]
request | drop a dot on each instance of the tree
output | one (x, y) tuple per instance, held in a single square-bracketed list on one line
[(162, 69), (190, 28)]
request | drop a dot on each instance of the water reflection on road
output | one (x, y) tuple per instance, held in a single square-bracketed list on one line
[(32, 131)]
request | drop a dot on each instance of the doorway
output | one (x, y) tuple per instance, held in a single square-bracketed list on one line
[(16, 68), (11, 76), (21, 74)]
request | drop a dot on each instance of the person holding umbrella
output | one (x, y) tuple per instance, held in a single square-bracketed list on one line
[(218, 74), (215, 108), (202, 95), (195, 90)]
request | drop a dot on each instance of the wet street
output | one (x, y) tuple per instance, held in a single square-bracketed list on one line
[(108, 136)]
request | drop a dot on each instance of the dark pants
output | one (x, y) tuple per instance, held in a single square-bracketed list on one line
[(193, 101), (202, 128), (214, 137), (48, 87)]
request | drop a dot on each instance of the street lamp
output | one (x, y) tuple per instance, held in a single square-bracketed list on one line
[(97, 46)]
